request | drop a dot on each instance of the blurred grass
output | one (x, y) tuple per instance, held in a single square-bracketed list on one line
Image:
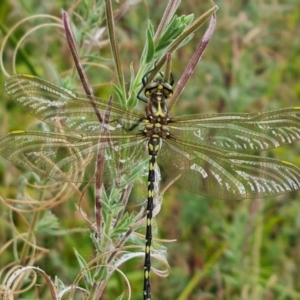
[(251, 64)]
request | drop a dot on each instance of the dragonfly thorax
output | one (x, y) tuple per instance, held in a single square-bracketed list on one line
[(157, 118), (156, 126)]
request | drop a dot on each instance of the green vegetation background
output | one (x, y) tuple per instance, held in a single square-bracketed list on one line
[(224, 250)]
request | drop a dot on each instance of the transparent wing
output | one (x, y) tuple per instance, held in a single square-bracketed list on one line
[(200, 149), (240, 132), (227, 175), (63, 108), (71, 157)]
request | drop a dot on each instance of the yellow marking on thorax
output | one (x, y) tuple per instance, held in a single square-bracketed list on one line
[(159, 112)]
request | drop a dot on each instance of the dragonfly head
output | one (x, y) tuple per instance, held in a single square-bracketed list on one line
[(158, 90)]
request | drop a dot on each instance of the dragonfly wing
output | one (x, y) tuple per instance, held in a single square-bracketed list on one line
[(126, 160), (240, 132), (70, 157), (41, 151), (227, 175), (63, 108)]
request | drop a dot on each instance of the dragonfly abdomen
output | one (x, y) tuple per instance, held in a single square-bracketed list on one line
[(154, 144)]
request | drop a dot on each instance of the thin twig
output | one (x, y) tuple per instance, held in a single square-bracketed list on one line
[(99, 168), (114, 44), (167, 74), (72, 46)]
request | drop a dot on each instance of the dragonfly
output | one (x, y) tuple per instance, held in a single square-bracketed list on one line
[(215, 155)]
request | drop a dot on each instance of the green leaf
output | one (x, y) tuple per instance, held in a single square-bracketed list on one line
[(150, 44), (82, 263), (173, 30), (132, 101), (48, 224), (186, 40), (120, 95), (123, 225), (149, 48), (101, 274)]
